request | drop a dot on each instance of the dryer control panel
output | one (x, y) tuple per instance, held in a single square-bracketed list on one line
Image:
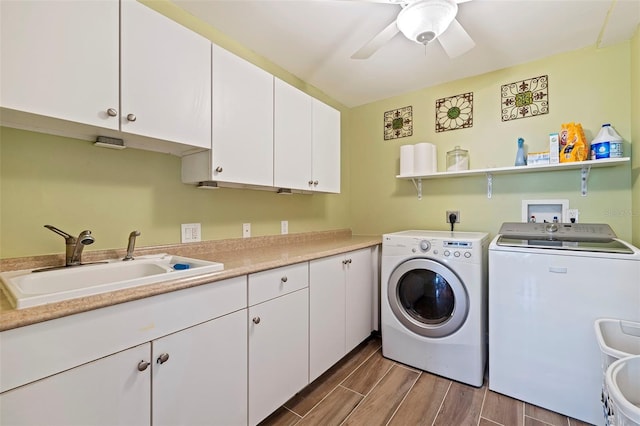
[(435, 248)]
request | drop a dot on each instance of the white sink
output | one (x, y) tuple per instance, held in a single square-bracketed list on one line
[(27, 288)]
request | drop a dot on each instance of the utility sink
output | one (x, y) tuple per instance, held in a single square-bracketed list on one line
[(27, 288)]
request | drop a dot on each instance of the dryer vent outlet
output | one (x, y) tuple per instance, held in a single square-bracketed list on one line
[(449, 218)]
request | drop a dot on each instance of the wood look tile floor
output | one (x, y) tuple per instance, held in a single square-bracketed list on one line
[(365, 388)]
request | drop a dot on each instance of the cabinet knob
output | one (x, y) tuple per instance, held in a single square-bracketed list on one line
[(310, 182), (284, 279), (346, 261), (349, 260), (164, 357), (112, 112), (315, 183), (142, 365), (219, 169), (131, 117), (256, 320)]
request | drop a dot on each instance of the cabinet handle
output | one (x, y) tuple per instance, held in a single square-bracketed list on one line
[(131, 117), (219, 169), (142, 365), (112, 112), (164, 357), (284, 279), (315, 183), (256, 320)]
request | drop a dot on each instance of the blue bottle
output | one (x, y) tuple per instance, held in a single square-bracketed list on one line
[(520, 159)]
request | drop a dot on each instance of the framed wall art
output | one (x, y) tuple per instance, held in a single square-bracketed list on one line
[(454, 112), (398, 123), (525, 98)]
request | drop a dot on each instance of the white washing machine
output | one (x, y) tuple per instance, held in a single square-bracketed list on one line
[(433, 302), (548, 283)]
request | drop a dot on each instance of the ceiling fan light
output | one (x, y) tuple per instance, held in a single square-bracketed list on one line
[(425, 20)]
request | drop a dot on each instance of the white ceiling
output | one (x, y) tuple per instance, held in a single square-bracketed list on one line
[(314, 39)]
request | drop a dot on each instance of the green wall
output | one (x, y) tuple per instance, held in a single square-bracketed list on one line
[(73, 185), (589, 86)]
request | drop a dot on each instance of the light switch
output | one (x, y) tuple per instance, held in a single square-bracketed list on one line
[(191, 232)]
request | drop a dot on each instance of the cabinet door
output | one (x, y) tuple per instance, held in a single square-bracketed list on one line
[(60, 59), (166, 78), (278, 352), (326, 314), (326, 148), (204, 378), (359, 288), (292, 137), (242, 144), (109, 391)]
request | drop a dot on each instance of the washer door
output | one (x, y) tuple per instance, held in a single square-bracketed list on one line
[(428, 298)]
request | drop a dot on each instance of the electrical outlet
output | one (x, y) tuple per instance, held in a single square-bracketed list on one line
[(573, 215), (450, 212), (284, 227), (191, 232), (246, 230)]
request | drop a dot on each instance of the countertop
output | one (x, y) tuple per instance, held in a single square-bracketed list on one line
[(240, 257)]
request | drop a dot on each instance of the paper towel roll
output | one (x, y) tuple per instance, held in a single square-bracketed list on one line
[(406, 160), (424, 159)]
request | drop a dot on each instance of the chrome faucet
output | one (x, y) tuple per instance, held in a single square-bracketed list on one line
[(132, 244), (74, 246)]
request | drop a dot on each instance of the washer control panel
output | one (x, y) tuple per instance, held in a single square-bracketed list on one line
[(458, 250)]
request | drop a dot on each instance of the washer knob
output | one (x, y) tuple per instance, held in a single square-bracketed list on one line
[(425, 245), (456, 253), (551, 227), (467, 254), (447, 253)]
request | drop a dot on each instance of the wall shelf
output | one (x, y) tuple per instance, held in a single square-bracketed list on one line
[(584, 166)]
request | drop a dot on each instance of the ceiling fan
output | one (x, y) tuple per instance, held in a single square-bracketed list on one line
[(423, 21)]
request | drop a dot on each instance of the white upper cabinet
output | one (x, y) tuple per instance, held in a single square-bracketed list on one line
[(292, 137), (60, 59), (101, 67), (166, 78), (306, 142), (242, 142), (325, 168)]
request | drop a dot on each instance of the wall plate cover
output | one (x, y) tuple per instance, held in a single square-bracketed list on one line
[(191, 232)]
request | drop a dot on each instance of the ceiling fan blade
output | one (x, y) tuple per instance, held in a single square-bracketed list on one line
[(455, 40), (377, 42)]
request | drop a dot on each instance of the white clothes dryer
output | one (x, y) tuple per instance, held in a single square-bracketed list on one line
[(434, 302)]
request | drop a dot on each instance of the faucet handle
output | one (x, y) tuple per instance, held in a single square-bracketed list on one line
[(131, 245), (59, 232)]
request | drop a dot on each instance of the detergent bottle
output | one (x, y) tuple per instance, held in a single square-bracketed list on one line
[(607, 144)]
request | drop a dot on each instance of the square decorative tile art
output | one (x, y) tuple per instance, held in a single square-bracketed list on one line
[(525, 98), (398, 123), (454, 112)]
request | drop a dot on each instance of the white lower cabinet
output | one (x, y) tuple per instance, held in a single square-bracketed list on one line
[(108, 391), (278, 338), (226, 353), (188, 378), (199, 375), (341, 291)]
